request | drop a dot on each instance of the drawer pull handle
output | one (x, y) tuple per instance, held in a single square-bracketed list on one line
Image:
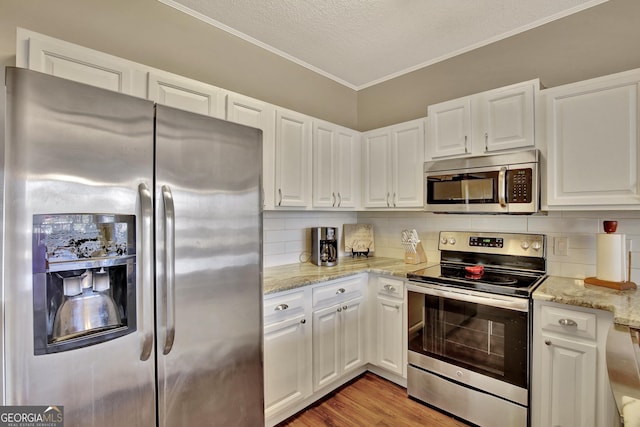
[(389, 288), (567, 322), (340, 291), (281, 307)]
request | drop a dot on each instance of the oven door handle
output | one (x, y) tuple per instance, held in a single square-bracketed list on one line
[(516, 304), (502, 187)]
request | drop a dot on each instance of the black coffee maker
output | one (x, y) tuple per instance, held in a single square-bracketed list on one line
[(324, 246)]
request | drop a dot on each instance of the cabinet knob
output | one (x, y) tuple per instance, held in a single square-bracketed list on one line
[(567, 322), (303, 321), (281, 307), (547, 342), (340, 291), (339, 309), (344, 307), (389, 288)]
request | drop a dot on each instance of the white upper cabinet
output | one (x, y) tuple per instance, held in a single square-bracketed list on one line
[(592, 144), (252, 112), (393, 159), (186, 94), (69, 61), (494, 120), (293, 159), (336, 166), (449, 128), (507, 117)]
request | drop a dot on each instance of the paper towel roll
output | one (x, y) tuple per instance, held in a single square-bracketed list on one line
[(610, 257)]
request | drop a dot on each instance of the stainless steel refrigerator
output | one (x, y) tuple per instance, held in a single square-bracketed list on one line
[(132, 259)]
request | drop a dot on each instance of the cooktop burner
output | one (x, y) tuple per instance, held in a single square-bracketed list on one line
[(499, 263)]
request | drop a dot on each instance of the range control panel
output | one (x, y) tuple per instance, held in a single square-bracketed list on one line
[(486, 242), (518, 244)]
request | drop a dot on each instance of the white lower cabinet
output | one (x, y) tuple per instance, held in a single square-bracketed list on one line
[(287, 352), (338, 330), (570, 385), (390, 332), (318, 337)]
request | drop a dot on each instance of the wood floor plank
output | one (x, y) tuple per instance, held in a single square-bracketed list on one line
[(370, 401)]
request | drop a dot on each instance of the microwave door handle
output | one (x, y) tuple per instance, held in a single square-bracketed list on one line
[(502, 187)]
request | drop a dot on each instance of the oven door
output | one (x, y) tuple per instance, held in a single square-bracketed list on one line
[(473, 338)]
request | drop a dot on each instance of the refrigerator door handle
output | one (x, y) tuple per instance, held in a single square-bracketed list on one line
[(146, 231), (169, 294)]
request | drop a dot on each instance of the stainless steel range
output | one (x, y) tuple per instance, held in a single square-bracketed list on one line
[(470, 326)]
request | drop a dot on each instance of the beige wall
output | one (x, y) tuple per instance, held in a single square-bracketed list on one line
[(148, 32), (594, 42), (601, 40)]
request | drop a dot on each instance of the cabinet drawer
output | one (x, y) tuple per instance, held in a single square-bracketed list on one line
[(391, 287), (568, 322), (282, 307), (337, 292)]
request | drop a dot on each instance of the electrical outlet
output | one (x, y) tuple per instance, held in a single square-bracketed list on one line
[(561, 246)]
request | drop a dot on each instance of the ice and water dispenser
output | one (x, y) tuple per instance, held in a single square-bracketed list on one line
[(84, 280)]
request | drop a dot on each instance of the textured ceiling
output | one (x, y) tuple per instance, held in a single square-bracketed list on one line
[(359, 43)]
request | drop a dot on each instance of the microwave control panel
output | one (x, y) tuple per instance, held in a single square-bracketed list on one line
[(519, 185)]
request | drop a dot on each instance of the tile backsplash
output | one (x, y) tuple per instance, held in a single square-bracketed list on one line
[(287, 235)]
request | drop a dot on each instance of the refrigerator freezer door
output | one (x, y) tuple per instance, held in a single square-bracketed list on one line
[(208, 281), (72, 148)]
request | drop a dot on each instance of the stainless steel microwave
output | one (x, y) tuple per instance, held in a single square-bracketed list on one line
[(498, 183)]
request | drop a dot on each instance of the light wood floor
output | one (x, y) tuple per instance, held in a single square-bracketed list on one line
[(370, 401)]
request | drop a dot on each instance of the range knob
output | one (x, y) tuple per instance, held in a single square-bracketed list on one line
[(452, 241), (536, 246), (443, 240), (524, 245)]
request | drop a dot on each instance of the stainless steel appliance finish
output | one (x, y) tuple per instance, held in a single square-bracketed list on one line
[(623, 367), (469, 326), (193, 184), (324, 246), (497, 183)]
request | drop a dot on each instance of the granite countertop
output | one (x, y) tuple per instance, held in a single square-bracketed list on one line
[(625, 305), (291, 276)]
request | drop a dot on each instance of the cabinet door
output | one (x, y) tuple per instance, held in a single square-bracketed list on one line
[(324, 180), (507, 117), (592, 137), (568, 383), (376, 169), (389, 337), (326, 346), (186, 94), (449, 128), (79, 64), (286, 367), (407, 155), (293, 159), (346, 168), (252, 112), (352, 325)]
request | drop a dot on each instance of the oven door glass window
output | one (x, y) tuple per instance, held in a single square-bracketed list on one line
[(479, 187), (484, 339)]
